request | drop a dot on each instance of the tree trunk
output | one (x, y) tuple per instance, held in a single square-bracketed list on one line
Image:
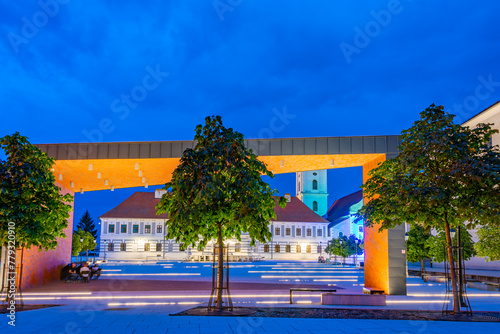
[(220, 271), (456, 305), (421, 267)]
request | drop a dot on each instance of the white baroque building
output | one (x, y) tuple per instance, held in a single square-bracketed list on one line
[(132, 230)]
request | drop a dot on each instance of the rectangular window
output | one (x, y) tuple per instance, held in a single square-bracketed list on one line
[(277, 231), (147, 229), (308, 232), (111, 228), (319, 249), (147, 247), (276, 248), (158, 229), (299, 232), (135, 229), (124, 229), (308, 249), (237, 247), (266, 248), (288, 231), (298, 249), (288, 249), (111, 247), (123, 247), (320, 233), (158, 247)]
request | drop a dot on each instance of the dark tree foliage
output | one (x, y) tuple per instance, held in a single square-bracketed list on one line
[(87, 224), (445, 176), (217, 192)]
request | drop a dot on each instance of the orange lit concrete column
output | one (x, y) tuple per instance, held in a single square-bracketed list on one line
[(45, 266), (385, 262)]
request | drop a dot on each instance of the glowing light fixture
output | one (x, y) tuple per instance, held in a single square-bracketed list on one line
[(136, 166), (81, 191), (91, 167), (72, 184), (60, 177), (98, 175)]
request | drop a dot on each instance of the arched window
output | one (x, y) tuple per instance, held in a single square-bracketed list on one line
[(315, 185), (315, 206), (341, 234)]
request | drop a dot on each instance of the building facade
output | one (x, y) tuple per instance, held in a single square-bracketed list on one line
[(342, 216), (312, 190), (132, 230)]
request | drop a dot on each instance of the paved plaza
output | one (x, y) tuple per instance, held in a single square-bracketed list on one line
[(139, 298)]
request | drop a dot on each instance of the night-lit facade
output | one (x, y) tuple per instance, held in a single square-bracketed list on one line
[(132, 231)]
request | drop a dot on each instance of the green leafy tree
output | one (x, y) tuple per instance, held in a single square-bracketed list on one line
[(87, 224), (438, 246), (344, 246), (445, 176), (217, 192), (417, 250), (83, 241), (31, 204), (488, 245)]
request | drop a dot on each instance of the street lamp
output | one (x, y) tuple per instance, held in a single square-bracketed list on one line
[(341, 255), (407, 236), (95, 245), (356, 254), (81, 246), (105, 246)]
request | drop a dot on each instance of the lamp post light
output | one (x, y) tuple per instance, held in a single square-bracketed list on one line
[(356, 254), (95, 245), (105, 246), (81, 246), (407, 236), (341, 255)]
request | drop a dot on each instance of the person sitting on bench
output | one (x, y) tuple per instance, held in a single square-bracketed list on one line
[(72, 274), (95, 271), (84, 273)]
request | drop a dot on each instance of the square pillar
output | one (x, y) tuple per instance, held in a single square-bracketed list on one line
[(385, 260)]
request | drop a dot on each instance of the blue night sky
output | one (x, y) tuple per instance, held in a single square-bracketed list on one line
[(107, 71)]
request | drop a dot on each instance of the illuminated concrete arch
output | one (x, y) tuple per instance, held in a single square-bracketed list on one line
[(101, 166)]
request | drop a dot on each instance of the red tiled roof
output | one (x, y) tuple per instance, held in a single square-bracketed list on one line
[(142, 205), (139, 205), (297, 211)]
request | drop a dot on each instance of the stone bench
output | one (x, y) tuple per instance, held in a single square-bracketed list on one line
[(438, 279), (352, 299), (482, 286), (308, 290), (372, 291)]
